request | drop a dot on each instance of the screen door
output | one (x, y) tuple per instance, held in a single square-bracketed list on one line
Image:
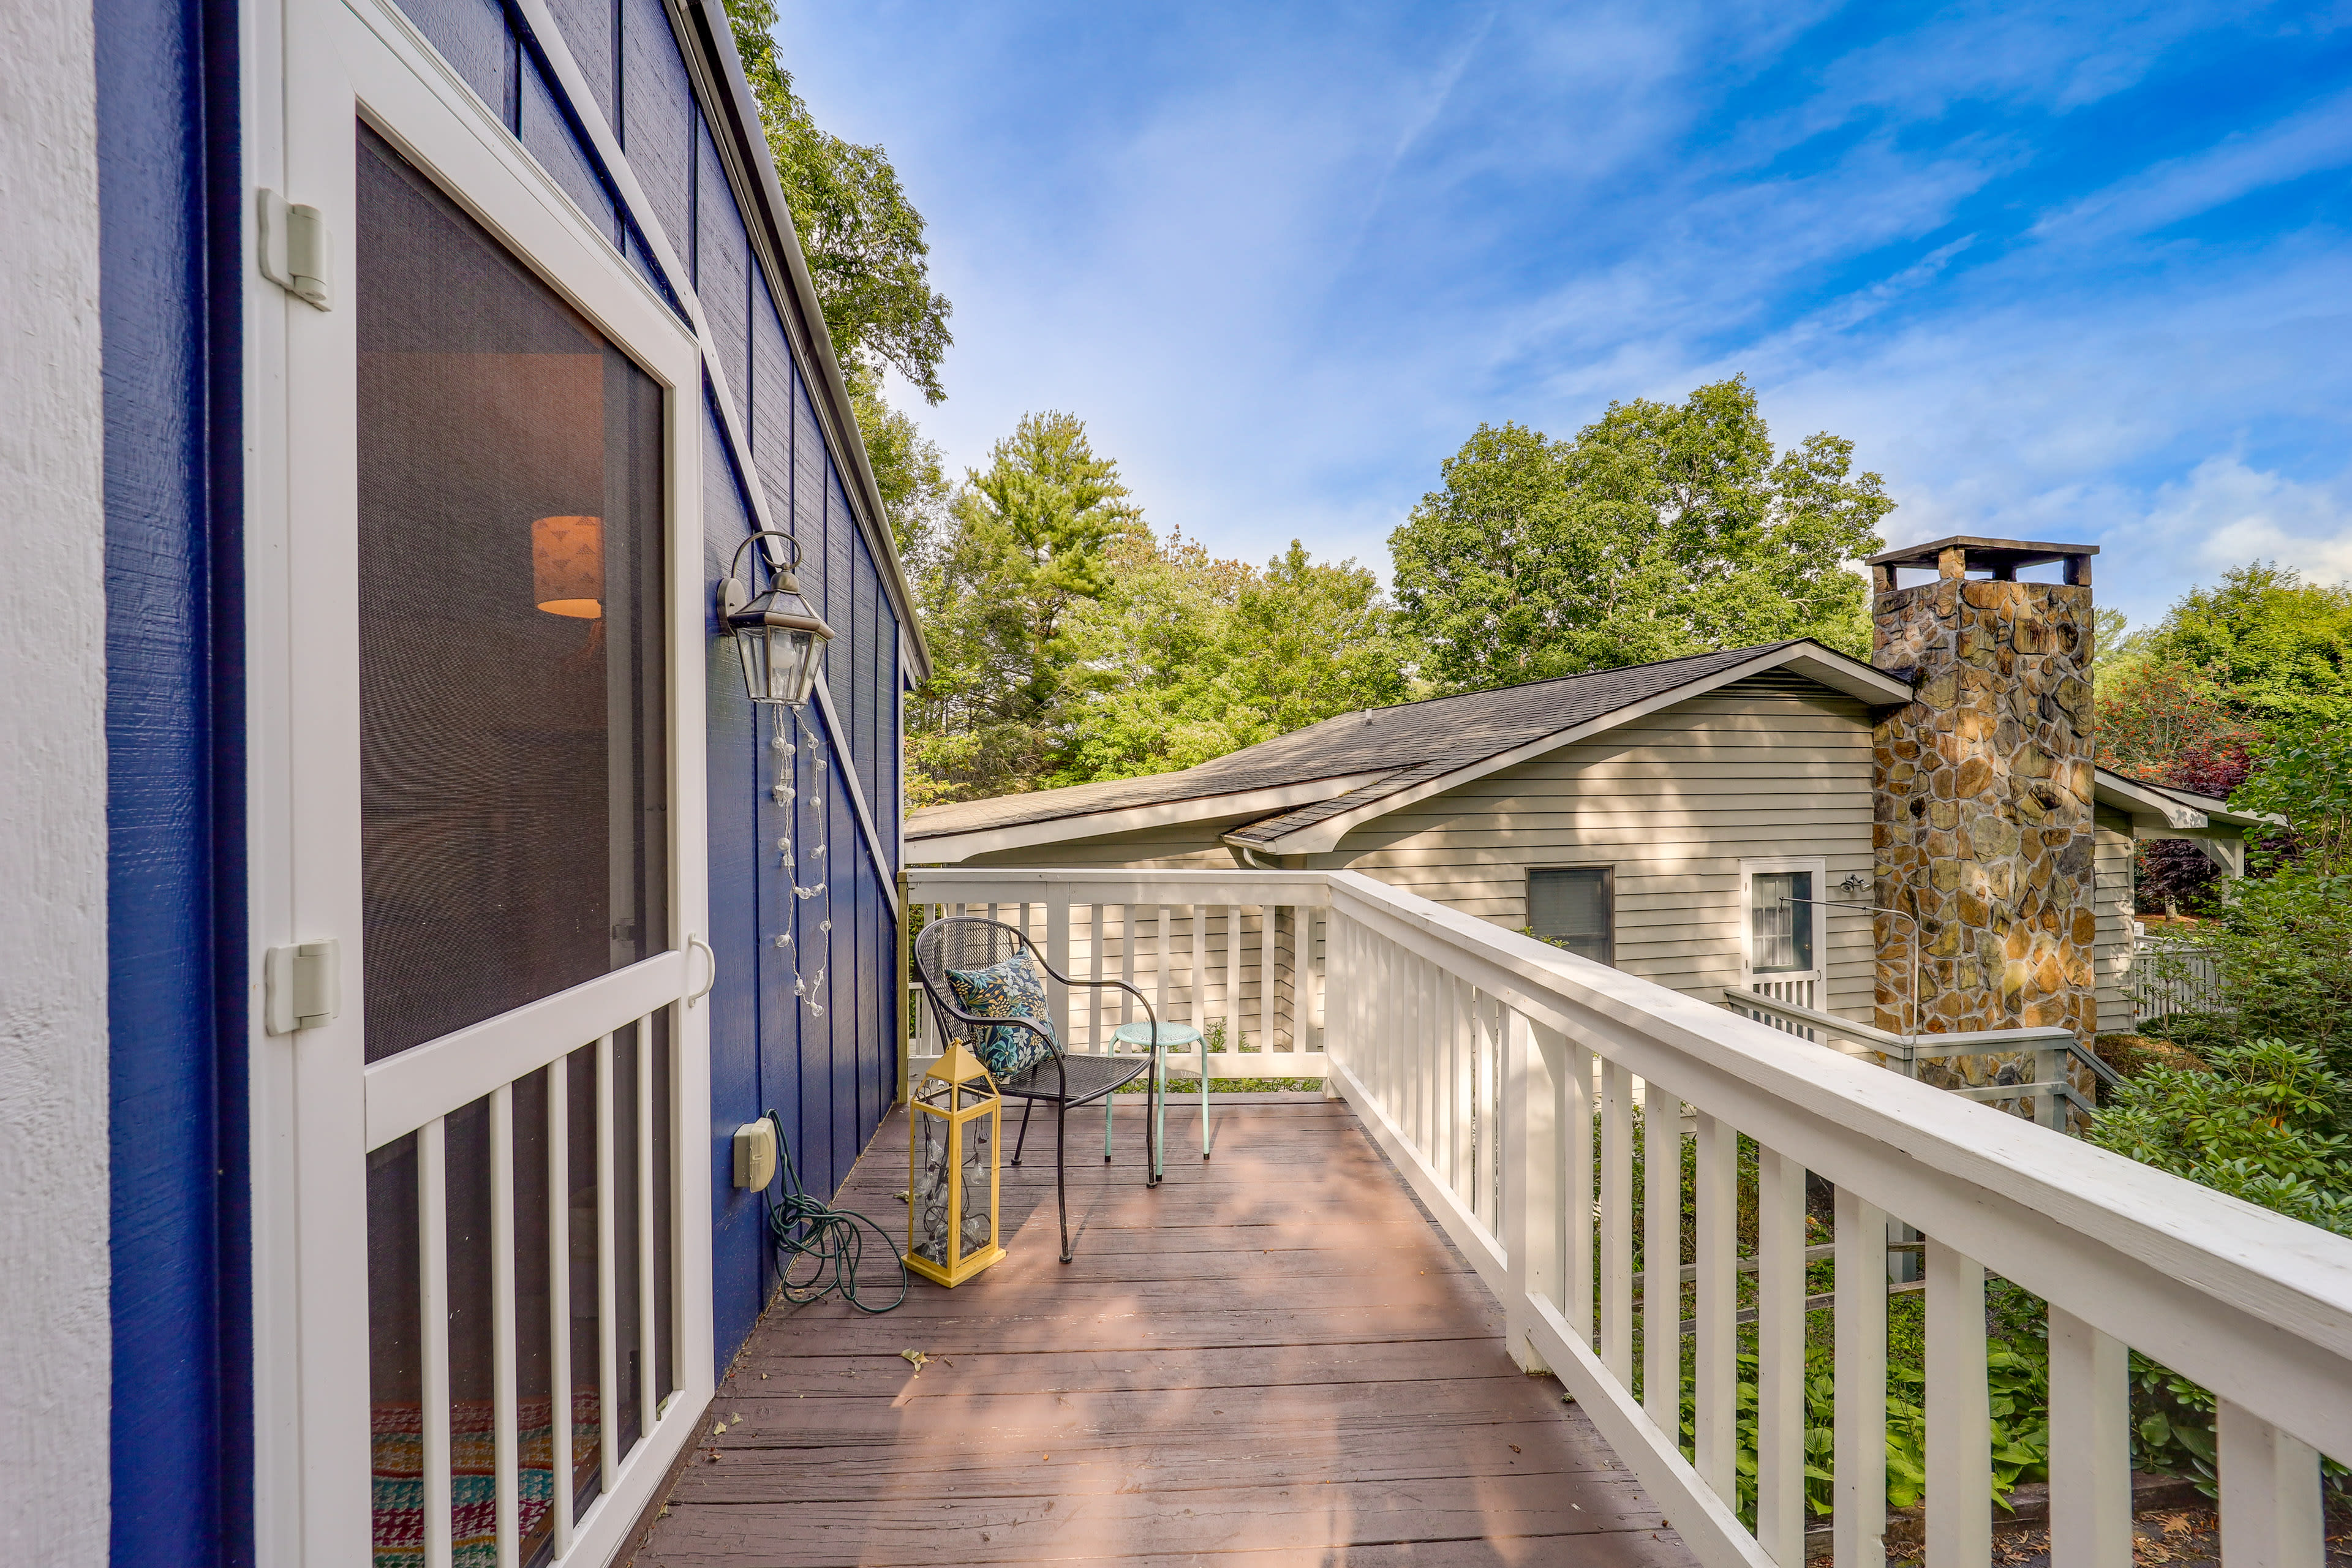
[(495, 1324), (513, 822)]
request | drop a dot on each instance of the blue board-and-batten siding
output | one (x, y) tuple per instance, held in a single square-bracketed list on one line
[(829, 1073), (170, 197)]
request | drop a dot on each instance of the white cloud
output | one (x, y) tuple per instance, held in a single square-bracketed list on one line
[(2229, 513)]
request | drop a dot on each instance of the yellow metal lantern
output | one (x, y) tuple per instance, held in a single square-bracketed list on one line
[(953, 1121)]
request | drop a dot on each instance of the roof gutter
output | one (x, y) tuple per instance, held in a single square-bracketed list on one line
[(947, 848)]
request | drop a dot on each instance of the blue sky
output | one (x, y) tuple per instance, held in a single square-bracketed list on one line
[(2059, 274)]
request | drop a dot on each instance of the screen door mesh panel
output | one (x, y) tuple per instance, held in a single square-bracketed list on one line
[(511, 628)]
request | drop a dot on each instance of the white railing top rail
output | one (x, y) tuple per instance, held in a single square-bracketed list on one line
[(1116, 885), (2248, 1302)]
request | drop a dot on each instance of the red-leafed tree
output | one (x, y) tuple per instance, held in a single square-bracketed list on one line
[(2165, 721)]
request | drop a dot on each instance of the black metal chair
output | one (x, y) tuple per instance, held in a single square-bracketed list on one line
[(1061, 1079)]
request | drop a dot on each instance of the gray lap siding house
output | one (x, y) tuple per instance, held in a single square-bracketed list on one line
[(1676, 777), (1767, 766)]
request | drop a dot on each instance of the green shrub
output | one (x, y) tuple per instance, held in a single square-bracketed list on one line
[(2257, 1126)]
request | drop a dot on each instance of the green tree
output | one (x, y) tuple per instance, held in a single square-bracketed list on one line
[(861, 237), (2279, 648), (2282, 940), (1661, 529), (1028, 542), (907, 470), (1189, 657), (1161, 690), (2113, 642)]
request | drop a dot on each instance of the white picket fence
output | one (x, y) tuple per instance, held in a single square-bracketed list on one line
[(2171, 976), (1489, 1064)]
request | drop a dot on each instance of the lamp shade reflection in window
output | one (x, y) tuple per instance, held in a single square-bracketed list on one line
[(567, 566)]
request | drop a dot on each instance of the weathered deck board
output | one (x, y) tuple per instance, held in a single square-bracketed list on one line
[(1272, 1359)]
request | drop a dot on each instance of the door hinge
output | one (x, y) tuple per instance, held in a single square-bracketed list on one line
[(293, 247), (303, 985)]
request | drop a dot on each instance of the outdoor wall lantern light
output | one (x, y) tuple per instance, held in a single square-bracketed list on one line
[(567, 566), (779, 637), (953, 1121)]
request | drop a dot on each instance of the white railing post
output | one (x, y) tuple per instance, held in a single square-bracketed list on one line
[(1265, 975), (559, 1297), (2090, 1445), (1960, 1414), (1095, 920), (1233, 1014), (1343, 982), (1617, 1222), (1780, 1358), (1487, 1038), (433, 1293), (1128, 960), (1411, 1063), (1662, 1256), (505, 1449), (608, 1322), (1576, 1097), (1858, 1507), (1715, 1416), (1057, 954), (2270, 1494), (1530, 1217)]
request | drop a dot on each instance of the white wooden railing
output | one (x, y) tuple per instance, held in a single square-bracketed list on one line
[(1220, 950), (1502, 1075), (2045, 1097)]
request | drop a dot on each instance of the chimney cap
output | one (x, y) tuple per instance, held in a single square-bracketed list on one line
[(1999, 554)]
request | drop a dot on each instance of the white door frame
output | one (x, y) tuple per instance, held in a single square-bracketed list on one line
[(1808, 988), (315, 67)]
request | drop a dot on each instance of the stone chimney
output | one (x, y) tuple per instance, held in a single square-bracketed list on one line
[(1982, 790)]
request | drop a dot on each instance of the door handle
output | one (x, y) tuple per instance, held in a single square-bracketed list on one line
[(693, 941)]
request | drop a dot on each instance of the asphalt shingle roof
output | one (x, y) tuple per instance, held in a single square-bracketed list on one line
[(1404, 746)]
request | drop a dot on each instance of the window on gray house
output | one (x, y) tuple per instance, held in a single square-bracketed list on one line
[(1575, 906), (1781, 907)]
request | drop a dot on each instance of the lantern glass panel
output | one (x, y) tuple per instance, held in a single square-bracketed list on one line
[(954, 1168)]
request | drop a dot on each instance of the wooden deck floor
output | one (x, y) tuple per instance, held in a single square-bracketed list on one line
[(1272, 1359)]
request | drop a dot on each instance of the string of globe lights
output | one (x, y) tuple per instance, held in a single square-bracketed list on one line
[(781, 639)]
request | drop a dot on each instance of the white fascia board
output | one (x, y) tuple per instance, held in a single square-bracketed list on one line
[(947, 848), (1815, 663), (1839, 673), (2141, 801)]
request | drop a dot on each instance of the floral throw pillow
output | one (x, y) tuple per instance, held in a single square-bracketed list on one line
[(1006, 990)]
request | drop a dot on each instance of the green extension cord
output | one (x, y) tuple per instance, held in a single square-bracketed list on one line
[(804, 1227)]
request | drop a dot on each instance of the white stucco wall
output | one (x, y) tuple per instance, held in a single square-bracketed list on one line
[(53, 1070)]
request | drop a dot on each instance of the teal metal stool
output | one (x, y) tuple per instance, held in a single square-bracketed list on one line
[(1172, 1036)]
